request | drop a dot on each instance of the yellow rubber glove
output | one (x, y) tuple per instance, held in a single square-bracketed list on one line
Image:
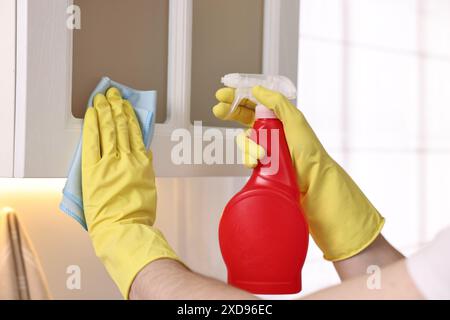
[(342, 220), (119, 192)]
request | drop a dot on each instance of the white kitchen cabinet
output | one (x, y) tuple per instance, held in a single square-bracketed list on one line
[(39, 131)]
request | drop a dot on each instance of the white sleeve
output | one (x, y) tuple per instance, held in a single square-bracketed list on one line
[(430, 268)]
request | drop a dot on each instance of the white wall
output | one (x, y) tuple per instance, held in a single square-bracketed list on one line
[(374, 79)]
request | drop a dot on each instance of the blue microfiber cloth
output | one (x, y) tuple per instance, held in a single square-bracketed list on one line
[(144, 103)]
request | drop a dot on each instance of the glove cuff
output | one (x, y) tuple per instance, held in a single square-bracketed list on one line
[(342, 220), (126, 249), (364, 242)]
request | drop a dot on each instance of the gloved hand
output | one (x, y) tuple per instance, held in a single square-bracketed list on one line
[(119, 193), (342, 221)]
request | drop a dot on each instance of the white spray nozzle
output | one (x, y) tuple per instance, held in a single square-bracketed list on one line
[(243, 83)]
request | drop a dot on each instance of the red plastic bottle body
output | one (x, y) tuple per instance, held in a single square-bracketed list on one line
[(263, 233)]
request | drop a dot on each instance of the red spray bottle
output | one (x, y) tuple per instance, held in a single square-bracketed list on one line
[(263, 233)]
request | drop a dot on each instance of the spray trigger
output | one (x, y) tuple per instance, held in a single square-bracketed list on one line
[(244, 83)]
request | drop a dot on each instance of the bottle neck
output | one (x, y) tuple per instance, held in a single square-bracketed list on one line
[(277, 165), (262, 112)]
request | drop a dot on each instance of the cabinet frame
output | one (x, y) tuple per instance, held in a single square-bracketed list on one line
[(7, 85)]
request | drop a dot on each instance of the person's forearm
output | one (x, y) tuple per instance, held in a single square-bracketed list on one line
[(380, 253), (168, 279), (394, 283)]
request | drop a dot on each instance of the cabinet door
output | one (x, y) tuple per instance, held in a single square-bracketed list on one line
[(53, 60), (46, 132), (7, 85)]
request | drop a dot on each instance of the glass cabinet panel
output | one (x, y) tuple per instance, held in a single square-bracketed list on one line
[(227, 37), (124, 40)]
